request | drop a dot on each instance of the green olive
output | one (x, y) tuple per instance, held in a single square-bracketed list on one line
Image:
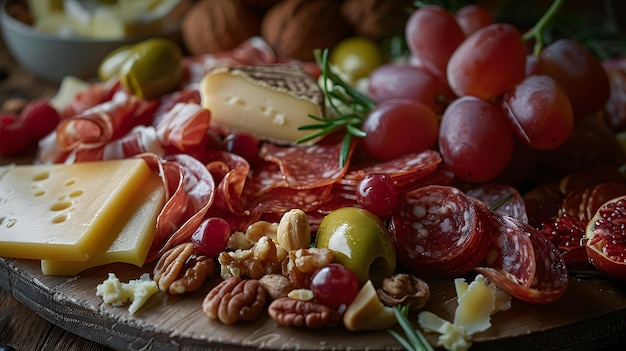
[(360, 241), (110, 65), (153, 68), (357, 57)]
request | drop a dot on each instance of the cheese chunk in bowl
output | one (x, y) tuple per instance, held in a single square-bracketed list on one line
[(72, 41)]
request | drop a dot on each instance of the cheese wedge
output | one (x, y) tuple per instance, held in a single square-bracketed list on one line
[(271, 102), (64, 212), (136, 231)]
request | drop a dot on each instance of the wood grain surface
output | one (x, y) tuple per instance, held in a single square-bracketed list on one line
[(591, 316)]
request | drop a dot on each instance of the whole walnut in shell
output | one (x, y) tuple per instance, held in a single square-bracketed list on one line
[(211, 26), (295, 28), (376, 19)]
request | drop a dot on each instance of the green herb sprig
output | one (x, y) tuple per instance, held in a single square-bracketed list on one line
[(350, 106), (415, 340)]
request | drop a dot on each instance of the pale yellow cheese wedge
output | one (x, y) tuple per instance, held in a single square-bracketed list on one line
[(65, 212), (136, 231), (271, 102)]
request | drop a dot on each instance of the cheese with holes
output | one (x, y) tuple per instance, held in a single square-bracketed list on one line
[(65, 212), (271, 102), (136, 228)]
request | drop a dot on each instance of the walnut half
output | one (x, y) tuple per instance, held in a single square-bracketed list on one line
[(402, 289)]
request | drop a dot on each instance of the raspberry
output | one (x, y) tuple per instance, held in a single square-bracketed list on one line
[(39, 118)]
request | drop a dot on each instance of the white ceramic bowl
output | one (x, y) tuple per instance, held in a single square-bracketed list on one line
[(51, 57)]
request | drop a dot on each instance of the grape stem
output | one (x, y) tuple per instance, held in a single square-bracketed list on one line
[(536, 32)]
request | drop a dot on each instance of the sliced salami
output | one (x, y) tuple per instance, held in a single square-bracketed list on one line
[(439, 231), (309, 167), (500, 198), (526, 265)]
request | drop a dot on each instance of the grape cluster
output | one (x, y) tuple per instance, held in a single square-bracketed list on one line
[(490, 87)]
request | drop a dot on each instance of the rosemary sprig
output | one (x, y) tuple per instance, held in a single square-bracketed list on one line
[(496, 205), (415, 340), (348, 104)]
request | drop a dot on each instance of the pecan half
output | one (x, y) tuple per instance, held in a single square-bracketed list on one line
[(302, 314), (182, 269), (235, 299), (402, 289)]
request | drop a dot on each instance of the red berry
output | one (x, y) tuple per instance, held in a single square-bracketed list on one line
[(377, 193), (14, 137), (39, 118), (334, 285), (212, 236)]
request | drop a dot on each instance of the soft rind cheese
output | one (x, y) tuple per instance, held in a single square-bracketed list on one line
[(65, 212), (271, 102), (137, 291), (136, 229)]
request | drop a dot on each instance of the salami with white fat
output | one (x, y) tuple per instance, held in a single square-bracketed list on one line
[(440, 231), (524, 263)]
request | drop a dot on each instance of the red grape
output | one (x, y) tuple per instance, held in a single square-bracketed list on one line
[(398, 127), (334, 285), (540, 112), (488, 62), (475, 139), (473, 17), (432, 34), (377, 194), (409, 82), (212, 236), (579, 73)]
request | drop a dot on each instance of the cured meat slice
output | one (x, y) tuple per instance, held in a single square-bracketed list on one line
[(440, 231), (309, 167), (184, 127), (190, 191), (506, 199), (524, 263), (404, 170)]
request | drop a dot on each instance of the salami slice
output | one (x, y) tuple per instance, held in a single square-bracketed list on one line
[(500, 198), (524, 263), (439, 231), (309, 167)]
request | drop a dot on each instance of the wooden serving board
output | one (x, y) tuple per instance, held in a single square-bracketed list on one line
[(592, 314)]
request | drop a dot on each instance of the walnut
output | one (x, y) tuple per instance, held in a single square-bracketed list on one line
[(303, 263), (211, 26), (235, 299), (183, 269), (377, 19), (276, 285), (259, 229), (402, 289), (238, 241), (294, 28), (263, 258), (293, 230), (296, 313)]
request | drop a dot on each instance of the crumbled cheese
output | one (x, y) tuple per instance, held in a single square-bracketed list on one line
[(137, 291), (476, 303)]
